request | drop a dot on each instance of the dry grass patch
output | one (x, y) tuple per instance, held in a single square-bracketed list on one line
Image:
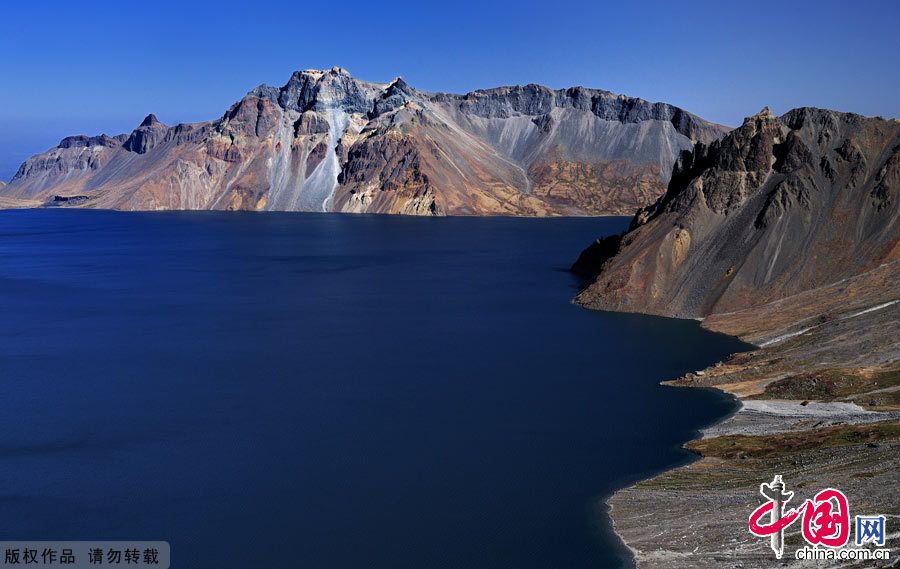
[(744, 446), (830, 384)]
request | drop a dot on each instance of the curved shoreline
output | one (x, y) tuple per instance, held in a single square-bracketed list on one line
[(812, 438), (693, 457), (690, 458)]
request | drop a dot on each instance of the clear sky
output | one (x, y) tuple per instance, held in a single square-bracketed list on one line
[(100, 66)]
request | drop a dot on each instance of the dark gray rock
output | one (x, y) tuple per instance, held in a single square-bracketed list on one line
[(150, 133), (397, 94)]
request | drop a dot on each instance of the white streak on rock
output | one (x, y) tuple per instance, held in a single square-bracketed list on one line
[(318, 189)]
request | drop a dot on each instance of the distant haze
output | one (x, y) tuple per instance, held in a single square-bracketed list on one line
[(68, 70), (22, 138)]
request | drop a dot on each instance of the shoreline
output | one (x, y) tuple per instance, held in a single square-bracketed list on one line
[(606, 501), (693, 457), (787, 423), (7, 203)]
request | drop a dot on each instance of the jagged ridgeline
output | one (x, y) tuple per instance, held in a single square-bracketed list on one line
[(326, 141), (780, 206)]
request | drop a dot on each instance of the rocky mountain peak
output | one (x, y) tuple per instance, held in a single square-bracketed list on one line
[(399, 85), (150, 120), (312, 89), (755, 124), (394, 96), (147, 135), (763, 114), (779, 206), (749, 149)]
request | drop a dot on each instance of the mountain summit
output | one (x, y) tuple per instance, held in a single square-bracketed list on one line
[(326, 141), (779, 207)]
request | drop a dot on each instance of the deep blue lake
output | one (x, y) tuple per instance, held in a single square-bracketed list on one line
[(322, 391)]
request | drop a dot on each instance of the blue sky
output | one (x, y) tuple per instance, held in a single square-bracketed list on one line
[(73, 67)]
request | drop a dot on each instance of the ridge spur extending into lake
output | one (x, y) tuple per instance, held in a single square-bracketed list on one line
[(330, 391)]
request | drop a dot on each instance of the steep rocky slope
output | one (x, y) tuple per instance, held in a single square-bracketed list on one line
[(777, 207), (326, 141), (12, 203), (785, 234)]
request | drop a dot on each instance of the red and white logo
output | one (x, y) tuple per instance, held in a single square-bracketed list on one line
[(825, 518)]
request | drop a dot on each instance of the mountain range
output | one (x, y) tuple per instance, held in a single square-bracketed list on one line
[(326, 141), (783, 232)]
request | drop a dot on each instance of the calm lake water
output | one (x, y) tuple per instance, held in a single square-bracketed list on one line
[(328, 391)]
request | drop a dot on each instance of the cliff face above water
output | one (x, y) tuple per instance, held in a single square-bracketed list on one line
[(779, 206), (326, 141), (785, 234)]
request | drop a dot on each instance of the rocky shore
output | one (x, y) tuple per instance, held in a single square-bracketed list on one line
[(784, 234), (820, 407)]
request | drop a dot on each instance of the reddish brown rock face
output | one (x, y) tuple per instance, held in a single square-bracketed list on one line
[(316, 155), (616, 186), (328, 142), (778, 207), (384, 174)]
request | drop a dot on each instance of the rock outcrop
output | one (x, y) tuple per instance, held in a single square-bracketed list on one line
[(326, 141), (778, 207), (785, 234)]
